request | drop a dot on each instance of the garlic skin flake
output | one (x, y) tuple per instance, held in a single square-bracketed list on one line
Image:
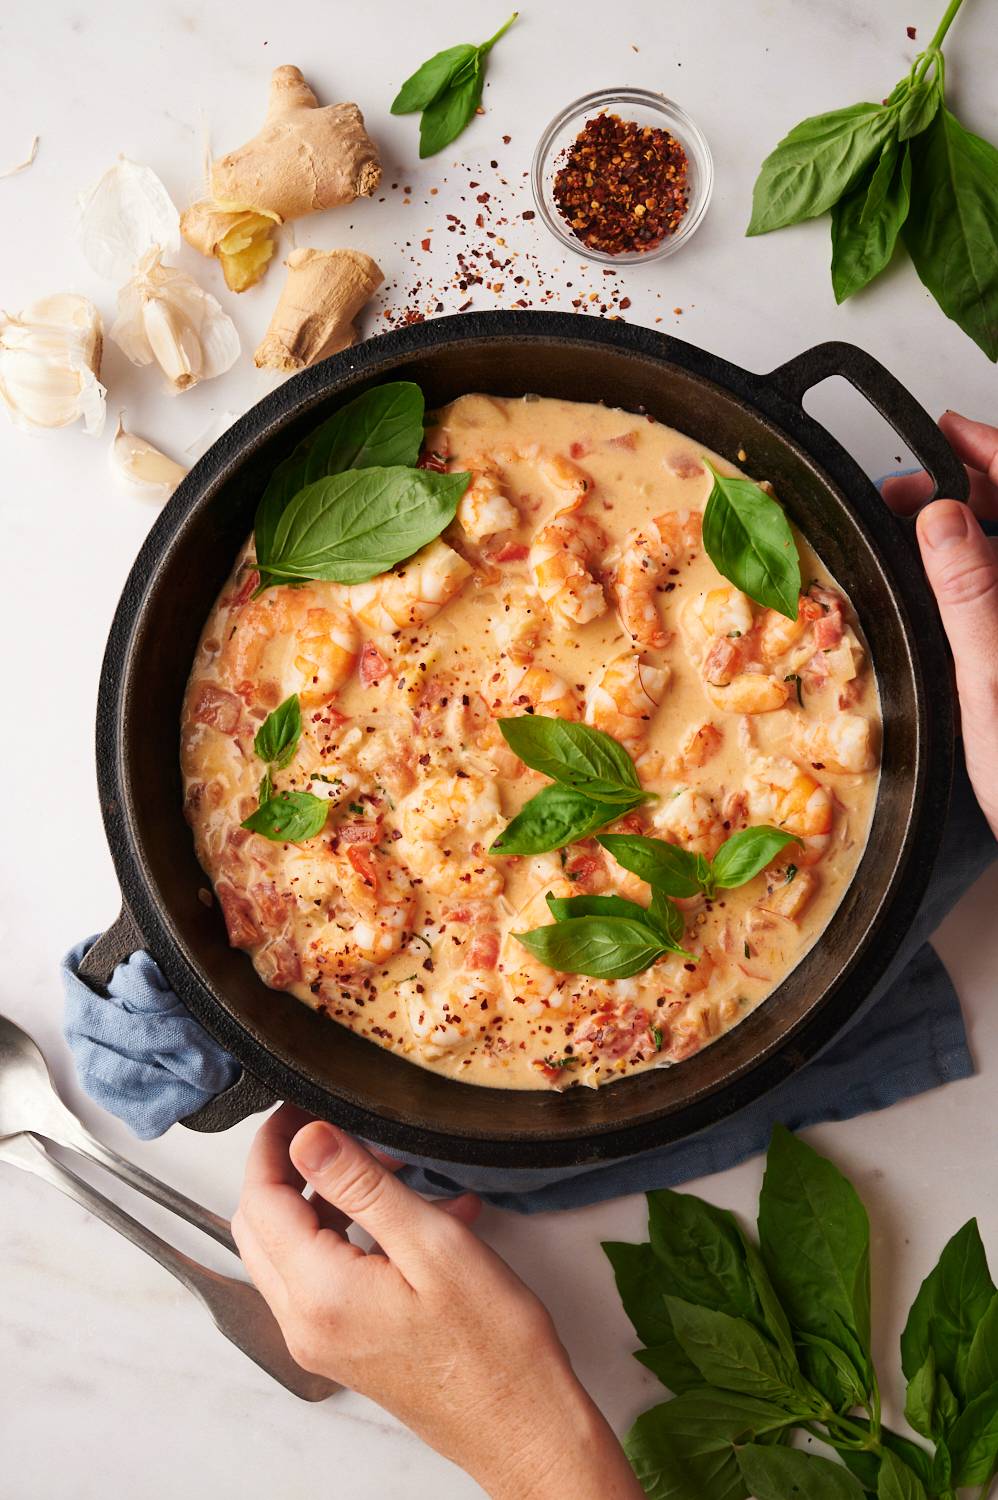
[(166, 318), (50, 362), (125, 216), (141, 468)]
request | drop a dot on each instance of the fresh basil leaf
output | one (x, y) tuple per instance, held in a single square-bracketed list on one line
[(982, 1361), (786, 1473), (942, 1468), (685, 1449), (351, 527), (830, 1370), (813, 166), (920, 1399), (668, 920), (742, 856), (277, 738), (665, 866), (670, 1365), (443, 121), (815, 1240), (640, 1279), (266, 788), (576, 755), (897, 1482), (951, 1302), (775, 1322), (951, 232), (702, 1254), (918, 108), (748, 539), (973, 1441), (430, 80), (733, 1354), (866, 1464), (864, 236), (380, 428), (601, 947), (290, 817), (563, 908), (556, 816)]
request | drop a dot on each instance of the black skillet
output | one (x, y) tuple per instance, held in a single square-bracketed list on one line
[(289, 1052)]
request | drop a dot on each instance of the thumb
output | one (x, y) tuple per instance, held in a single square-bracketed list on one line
[(962, 567), (346, 1175)]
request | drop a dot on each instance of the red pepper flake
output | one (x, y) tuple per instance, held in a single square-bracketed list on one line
[(528, 213), (912, 32), (465, 305), (506, 139), (425, 244), (624, 303), (622, 186)]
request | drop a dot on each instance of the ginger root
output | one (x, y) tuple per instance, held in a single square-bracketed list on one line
[(304, 159), (313, 319)]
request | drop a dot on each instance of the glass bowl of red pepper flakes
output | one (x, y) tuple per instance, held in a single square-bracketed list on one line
[(622, 175)]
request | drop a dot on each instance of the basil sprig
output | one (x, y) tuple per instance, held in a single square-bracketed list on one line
[(277, 738), (284, 817), (595, 783), (903, 169), (758, 1339), (605, 937), (680, 872), (448, 90), (748, 539)]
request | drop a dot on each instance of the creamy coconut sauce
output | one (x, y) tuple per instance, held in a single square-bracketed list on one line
[(395, 921)]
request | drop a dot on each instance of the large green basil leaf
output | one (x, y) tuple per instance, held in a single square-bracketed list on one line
[(640, 1278), (576, 755), (896, 1481), (787, 1473), (563, 908), (973, 1440), (430, 80), (733, 1354), (444, 119), (866, 223), (815, 1239), (951, 232), (685, 1449), (277, 738), (289, 817), (380, 428), (702, 1254), (748, 539), (351, 527), (920, 1399), (601, 947), (742, 856), (556, 816), (982, 1361), (665, 866), (669, 1363), (951, 1302), (816, 164)]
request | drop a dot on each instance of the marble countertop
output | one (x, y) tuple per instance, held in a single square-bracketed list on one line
[(114, 1381)]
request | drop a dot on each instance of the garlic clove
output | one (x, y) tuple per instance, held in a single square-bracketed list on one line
[(166, 318), (126, 215), (49, 364), (141, 467)]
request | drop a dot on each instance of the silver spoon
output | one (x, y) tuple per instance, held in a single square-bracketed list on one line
[(29, 1102), (237, 1309)]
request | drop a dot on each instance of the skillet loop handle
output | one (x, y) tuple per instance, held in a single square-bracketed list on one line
[(896, 405), (247, 1096)]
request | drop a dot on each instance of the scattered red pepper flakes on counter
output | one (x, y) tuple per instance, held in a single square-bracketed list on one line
[(622, 187)]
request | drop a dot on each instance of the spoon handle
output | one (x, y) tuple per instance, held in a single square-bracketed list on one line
[(236, 1308)]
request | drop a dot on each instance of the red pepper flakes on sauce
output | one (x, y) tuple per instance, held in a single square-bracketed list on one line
[(622, 186)]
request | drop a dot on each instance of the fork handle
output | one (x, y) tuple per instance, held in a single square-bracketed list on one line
[(236, 1308)]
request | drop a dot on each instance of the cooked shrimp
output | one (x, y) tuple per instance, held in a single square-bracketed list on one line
[(693, 819), (779, 792), (700, 742), (842, 745), (290, 639), (525, 977), (414, 592), (524, 689), (445, 1018), (448, 823), (561, 559), (484, 509), (749, 693), (624, 698), (646, 556), (372, 908), (719, 614), (519, 622)]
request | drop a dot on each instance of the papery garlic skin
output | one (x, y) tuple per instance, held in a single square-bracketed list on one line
[(128, 214), (164, 317), (50, 363), (141, 468)]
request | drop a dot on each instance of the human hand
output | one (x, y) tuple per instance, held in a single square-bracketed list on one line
[(962, 567), (435, 1328)]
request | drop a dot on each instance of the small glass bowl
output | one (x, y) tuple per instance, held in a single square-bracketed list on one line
[(646, 108)]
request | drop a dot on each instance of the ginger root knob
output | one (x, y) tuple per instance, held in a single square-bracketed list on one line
[(313, 319)]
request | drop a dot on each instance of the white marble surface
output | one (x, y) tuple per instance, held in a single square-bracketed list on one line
[(113, 1381)]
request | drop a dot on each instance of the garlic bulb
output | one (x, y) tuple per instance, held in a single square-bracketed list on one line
[(141, 467), (49, 363), (164, 316), (125, 216)]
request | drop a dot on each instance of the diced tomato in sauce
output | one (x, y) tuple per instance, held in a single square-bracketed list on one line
[(363, 862), (483, 951), (217, 708), (512, 552), (373, 666), (240, 918)]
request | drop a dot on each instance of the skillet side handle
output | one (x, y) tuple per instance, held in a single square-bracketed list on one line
[(247, 1096), (896, 405)]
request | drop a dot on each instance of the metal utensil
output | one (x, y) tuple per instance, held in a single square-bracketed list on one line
[(29, 1102), (237, 1309)]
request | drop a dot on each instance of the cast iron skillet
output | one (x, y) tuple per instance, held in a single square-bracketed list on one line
[(296, 1054)]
